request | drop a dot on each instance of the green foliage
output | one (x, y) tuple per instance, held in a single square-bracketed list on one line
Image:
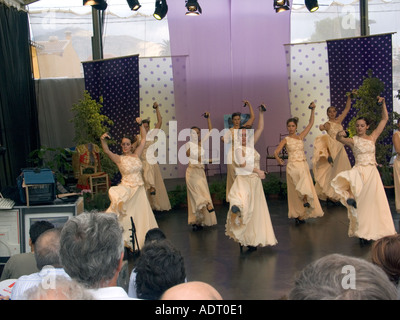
[(178, 196), (218, 188), (89, 125), (99, 202), (271, 184), (366, 105), (88, 121), (56, 159)]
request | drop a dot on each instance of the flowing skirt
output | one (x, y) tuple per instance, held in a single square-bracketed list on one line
[(198, 195), (372, 219), (129, 202), (152, 178), (300, 184), (254, 226), (324, 171)]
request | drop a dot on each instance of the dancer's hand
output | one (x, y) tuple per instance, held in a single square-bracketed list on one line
[(139, 120), (105, 136)]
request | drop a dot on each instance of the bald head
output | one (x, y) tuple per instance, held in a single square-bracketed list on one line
[(194, 290)]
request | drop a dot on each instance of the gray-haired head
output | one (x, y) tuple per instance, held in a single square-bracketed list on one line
[(91, 248), (340, 277)]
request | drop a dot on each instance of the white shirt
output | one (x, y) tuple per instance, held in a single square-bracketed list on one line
[(110, 293)]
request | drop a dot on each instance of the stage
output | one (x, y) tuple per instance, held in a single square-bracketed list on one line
[(265, 274)]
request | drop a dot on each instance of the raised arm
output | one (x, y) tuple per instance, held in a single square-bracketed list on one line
[(385, 117), (209, 125), (249, 122), (139, 149), (396, 143), (340, 136), (347, 107), (307, 129), (159, 118), (114, 157), (260, 126)]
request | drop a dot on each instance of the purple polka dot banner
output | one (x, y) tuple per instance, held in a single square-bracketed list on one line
[(117, 80), (324, 72)]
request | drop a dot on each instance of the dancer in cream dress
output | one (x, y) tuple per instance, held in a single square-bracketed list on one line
[(396, 166), (361, 188), (330, 156), (229, 139), (129, 198), (303, 202), (153, 180), (248, 221), (200, 207)]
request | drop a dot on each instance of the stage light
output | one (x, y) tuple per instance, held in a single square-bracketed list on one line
[(312, 5), (161, 9), (193, 8), (102, 5), (91, 2), (281, 5), (134, 4)]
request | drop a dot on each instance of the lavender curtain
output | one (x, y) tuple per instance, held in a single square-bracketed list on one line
[(233, 51)]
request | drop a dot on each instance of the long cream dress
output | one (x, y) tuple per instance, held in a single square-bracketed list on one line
[(253, 227), (300, 183), (230, 139), (152, 178), (198, 193), (323, 171), (372, 219), (129, 199), (396, 178)]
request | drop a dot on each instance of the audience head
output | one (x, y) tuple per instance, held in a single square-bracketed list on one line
[(385, 253), (47, 249), (339, 277), (193, 290), (159, 267), (155, 234), (37, 229), (92, 249), (65, 289)]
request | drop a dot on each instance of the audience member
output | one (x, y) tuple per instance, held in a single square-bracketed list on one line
[(153, 235), (193, 290), (47, 256), (160, 266), (92, 251), (385, 253), (65, 289), (24, 263), (340, 277)]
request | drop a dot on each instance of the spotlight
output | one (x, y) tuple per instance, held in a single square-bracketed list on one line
[(134, 4), (90, 2), (281, 5), (161, 9), (102, 5), (312, 5), (193, 8)]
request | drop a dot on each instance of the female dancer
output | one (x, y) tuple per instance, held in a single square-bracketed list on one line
[(200, 207), (129, 198), (248, 221), (153, 180), (330, 156), (361, 188), (229, 138), (396, 166), (303, 201)]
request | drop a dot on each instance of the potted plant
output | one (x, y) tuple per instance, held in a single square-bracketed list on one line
[(272, 186), (56, 159), (178, 196), (218, 191), (366, 104), (89, 125)]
